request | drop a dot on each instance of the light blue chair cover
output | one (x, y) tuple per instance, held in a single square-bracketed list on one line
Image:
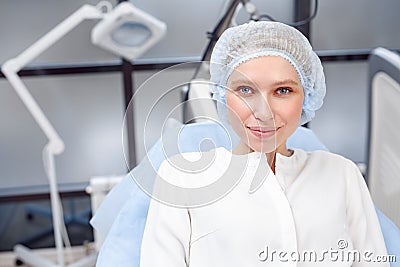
[(122, 216)]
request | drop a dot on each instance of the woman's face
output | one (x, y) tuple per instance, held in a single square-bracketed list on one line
[(264, 99)]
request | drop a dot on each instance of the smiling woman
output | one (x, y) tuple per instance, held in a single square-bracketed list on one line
[(267, 81)]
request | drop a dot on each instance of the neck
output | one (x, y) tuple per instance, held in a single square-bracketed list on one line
[(271, 160), (242, 149)]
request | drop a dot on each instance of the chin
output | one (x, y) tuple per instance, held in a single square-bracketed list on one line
[(264, 150), (265, 147)]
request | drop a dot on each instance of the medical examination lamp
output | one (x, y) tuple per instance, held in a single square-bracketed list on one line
[(144, 32), (128, 31)]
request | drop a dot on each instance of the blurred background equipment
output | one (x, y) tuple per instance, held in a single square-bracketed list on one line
[(384, 140), (113, 20)]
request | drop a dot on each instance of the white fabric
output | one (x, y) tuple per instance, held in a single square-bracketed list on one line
[(315, 200)]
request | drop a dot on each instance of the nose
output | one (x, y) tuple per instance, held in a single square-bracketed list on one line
[(262, 110)]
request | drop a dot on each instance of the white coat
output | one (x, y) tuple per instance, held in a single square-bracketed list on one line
[(314, 211)]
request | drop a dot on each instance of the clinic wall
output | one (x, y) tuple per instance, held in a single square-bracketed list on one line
[(355, 24), (23, 22), (358, 24), (341, 123), (87, 112), (158, 98), (189, 21)]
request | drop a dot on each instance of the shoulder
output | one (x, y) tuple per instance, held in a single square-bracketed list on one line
[(325, 159), (331, 167), (327, 156)]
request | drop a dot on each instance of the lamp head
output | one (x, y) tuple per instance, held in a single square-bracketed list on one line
[(128, 31)]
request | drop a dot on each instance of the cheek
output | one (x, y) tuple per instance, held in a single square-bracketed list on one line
[(291, 110), (238, 110)]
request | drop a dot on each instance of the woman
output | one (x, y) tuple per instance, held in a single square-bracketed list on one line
[(276, 206)]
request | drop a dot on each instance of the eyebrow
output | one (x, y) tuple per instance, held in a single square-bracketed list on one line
[(287, 81), (275, 83)]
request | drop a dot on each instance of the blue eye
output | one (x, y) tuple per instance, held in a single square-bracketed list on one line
[(283, 91), (245, 90)]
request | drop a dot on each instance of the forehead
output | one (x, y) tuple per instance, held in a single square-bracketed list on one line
[(265, 69)]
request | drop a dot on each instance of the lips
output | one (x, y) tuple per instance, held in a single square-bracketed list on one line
[(263, 132)]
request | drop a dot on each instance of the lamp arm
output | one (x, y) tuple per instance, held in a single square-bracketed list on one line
[(56, 145), (11, 68), (83, 13)]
